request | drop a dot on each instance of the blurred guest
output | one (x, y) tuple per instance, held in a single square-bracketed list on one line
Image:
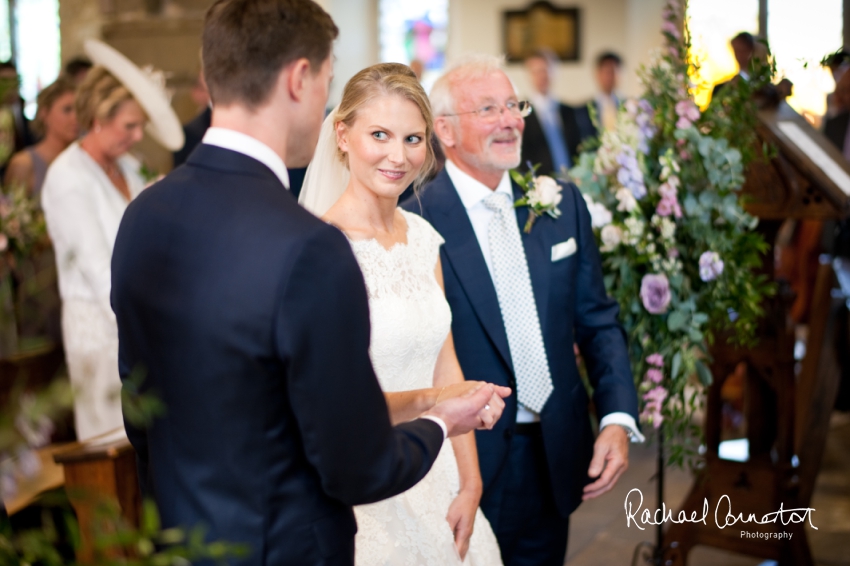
[(552, 134), (835, 127), (606, 103), (837, 63), (15, 131), (744, 46), (785, 89), (56, 122), (38, 312), (194, 130), (77, 68), (86, 191)]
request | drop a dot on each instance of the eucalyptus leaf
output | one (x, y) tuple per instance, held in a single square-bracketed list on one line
[(703, 373)]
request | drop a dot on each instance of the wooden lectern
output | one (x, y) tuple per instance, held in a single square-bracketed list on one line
[(787, 412)]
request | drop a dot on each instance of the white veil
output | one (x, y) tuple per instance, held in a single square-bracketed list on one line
[(326, 177)]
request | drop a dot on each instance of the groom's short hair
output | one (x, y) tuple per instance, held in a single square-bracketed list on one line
[(246, 43)]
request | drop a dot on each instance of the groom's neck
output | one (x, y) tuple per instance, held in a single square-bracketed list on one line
[(263, 124)]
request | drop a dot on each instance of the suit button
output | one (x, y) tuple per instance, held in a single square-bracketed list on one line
[(508, 434)]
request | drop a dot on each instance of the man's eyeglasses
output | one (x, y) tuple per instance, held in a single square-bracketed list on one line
[(492, 112)]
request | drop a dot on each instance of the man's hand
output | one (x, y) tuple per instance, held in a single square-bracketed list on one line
[(610, 458), (461, 518), (480, 408)]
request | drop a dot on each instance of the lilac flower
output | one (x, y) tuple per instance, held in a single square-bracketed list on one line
[(629, 175), (654, 375), (710, 266), (669, 205), (35, 431), (655, 359), (672, 29), (652, 410), (687, 112), (655, 293), (687, 109)]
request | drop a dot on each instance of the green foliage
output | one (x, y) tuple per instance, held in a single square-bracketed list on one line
[(26, 423)]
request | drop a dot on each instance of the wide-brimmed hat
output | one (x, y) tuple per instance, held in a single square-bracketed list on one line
[(163, 124)]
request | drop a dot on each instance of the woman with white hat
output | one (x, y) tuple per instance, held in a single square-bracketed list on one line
[(85, 193)]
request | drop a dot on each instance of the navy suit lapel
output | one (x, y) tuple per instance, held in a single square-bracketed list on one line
[(537, 255), (465, 255)]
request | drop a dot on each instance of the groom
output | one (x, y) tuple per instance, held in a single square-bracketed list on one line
[(249, 319), (519, 302)]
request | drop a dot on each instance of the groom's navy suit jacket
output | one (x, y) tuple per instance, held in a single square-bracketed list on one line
[(248, 318), (573, 308)]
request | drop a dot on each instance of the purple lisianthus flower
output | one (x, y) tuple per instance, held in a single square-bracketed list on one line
[(683, 123), (710, 266), (655, 359), (654, 375), (655, 293)]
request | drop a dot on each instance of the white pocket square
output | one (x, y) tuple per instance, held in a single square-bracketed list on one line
[(564, 249)]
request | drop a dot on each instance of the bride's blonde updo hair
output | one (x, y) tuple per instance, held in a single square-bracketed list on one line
[(388, 79)]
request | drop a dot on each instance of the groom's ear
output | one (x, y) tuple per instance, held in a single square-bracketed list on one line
[(296, 77)]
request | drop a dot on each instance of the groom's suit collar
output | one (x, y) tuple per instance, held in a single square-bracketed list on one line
[(247, 145)]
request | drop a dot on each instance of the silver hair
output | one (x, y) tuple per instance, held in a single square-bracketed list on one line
[(469, 67)]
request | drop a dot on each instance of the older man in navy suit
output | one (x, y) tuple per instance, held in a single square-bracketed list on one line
[(520, 301)]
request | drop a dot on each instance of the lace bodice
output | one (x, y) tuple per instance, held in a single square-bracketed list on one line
[(410, 322), (409, 313)]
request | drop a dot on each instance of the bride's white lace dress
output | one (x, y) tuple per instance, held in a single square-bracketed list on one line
[(410, 322)]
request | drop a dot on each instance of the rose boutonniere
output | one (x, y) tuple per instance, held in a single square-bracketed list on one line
[(541, 195)]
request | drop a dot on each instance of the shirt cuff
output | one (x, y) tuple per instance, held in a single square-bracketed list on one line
[(626, 421), (443, 426)]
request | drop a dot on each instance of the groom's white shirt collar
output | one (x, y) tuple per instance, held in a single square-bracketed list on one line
[(252, 147)]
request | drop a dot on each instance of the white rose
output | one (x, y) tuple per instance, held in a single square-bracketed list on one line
[(611, 237), (626, 199), (547, 191), (599, 215)]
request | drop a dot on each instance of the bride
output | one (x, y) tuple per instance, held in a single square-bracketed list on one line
[(371, 148)]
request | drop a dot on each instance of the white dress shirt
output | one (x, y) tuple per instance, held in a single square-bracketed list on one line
[(252, 147), (472, 194)]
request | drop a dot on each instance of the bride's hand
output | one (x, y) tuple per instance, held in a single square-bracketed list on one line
[(456, 390), (461, 518)]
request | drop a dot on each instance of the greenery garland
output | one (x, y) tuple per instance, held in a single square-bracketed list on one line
[(680, 253)]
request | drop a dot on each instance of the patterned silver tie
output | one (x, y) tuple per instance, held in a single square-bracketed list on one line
[(516, 301)]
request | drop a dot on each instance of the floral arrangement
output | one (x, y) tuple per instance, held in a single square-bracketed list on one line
[(678, 249), (22, 225)]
